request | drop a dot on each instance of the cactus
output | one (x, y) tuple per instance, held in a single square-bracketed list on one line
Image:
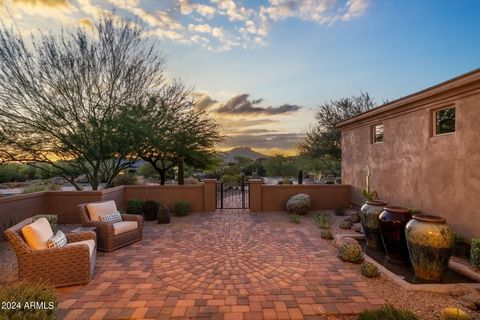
[(300, 176), (298, 204), (326, 234), (475, 253), (346, 224), (369, 270), (350, 252), (369, 195), (454, 314)]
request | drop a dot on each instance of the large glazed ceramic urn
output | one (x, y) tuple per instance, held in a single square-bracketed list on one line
[(430, 244), (369, 214), (392, 230)]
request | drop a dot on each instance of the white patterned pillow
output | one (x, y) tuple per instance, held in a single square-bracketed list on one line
[(58, 240), (112, 217)]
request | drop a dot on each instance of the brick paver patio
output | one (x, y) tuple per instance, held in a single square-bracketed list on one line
[(224, 265)]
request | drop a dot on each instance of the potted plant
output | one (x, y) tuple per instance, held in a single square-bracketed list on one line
[(430, 244)]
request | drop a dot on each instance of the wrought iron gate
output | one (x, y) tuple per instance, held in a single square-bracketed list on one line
[(233, 195)]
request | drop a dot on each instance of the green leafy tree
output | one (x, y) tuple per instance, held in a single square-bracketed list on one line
[(282, 166), (66, 99), (324, 139)]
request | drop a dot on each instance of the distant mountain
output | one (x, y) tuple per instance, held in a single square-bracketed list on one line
[(246, 152)]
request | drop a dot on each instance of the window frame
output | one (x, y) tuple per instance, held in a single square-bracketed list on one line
[(373, 132), (434, 120)]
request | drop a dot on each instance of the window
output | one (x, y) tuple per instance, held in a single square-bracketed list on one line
[(377, 131), (444, 120)]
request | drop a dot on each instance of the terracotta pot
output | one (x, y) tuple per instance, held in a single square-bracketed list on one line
[(430, 244), (369, 214), (392, 229)]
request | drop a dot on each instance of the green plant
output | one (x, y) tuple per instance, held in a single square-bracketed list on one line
[(323, 220), (475, 253), (326, 234), (163, 215), (387, 312), (124, 180), (369, 195), (415, 211), (54, 187), (350, 252), (294, 218), (369, 270), (298, 204), (35, 188), (339, 211), (150, 209), (29, 301), (51, 218), (300, 176), (134, 206), (182, 208)]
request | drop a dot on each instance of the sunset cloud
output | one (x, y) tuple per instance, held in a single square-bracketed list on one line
[(242, 105), (285, 141)]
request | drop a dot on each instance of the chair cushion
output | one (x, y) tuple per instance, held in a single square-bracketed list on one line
[(124, 226), (90, 243), (112, 217), (37, 234), (58, 240), (95, 210)]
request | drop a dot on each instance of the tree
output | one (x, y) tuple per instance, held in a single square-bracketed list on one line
[(172, 129), (68, 97), (325, 139), (280, 166)]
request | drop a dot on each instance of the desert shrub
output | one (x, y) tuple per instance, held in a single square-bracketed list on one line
[(346, 224), (350, 252), (54, 187), (323, 220), (182, 208), (191, 180), (326, 234), (369, 270), (134, 206), (475, 253), (150, 209), (387, 312), (298, 204), (24, 295), (294, 218), (51, 218), (124, 180), (35, 188), (339, 211)]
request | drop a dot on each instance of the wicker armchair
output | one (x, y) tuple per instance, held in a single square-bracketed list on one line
[(107, 240), (64, 266)]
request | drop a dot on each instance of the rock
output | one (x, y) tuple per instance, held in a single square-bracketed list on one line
[(470, 300), (345, 224), (355, 217), (454, 314), (340, 241), (298, 204), (357, 227)]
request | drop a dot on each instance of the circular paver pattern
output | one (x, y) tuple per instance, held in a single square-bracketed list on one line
[(241, 257)]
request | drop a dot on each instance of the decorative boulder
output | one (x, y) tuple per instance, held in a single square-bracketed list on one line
[(342, 240), (298, 204)]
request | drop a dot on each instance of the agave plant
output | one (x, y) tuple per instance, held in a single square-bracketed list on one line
[(369, 270), (350, 252)]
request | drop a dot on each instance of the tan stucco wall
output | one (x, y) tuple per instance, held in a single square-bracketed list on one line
[(439, 175)]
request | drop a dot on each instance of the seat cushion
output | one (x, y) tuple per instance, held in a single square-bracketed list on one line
[(37, 234), (112, 217), (95, 210), (124, 226), (58, 240), (90, 243)]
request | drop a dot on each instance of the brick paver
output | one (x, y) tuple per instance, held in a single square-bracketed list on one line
[(231, 264)]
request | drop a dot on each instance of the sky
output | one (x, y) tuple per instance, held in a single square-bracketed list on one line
[(261, 68)]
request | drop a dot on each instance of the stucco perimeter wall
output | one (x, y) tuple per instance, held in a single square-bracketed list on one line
[(17, 208), (439, 175), (168, 195), (323, 197)]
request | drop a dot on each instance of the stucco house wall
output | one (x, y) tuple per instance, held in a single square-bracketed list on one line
[(437, 174)]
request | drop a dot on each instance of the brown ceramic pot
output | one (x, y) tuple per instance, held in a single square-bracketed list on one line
[(392, 230)]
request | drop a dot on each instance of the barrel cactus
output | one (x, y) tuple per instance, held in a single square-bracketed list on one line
[(326, 234), (350, 252), (369, 270), (298, 204)]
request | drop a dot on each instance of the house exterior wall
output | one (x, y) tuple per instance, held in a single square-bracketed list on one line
[(413, 168)]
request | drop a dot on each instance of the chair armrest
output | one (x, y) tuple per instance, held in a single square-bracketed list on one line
[(133, 217), (80, 236), (102, 227)]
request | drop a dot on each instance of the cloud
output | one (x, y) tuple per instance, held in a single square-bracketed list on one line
[(265, 141), (241, 105), (44, 3), (204, 101), (85, 22)]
